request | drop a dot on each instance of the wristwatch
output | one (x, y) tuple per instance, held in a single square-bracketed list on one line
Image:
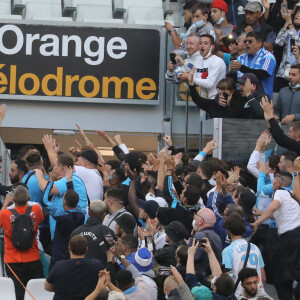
[(171, 30), (296, 173), (121, 257)]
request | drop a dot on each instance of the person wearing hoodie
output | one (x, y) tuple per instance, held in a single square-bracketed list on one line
[(249, 280), (95, 232)]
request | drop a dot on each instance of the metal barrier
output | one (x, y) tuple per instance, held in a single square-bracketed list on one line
[(6, 163)]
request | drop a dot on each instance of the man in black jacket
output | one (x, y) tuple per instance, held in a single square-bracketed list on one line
[(175, 235), (98, 236), (292, 140)]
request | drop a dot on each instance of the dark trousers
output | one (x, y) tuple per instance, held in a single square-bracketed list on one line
[(288, 263), (25, 272)]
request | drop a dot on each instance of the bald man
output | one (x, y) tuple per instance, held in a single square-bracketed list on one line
[(203, 224), (170, 288)]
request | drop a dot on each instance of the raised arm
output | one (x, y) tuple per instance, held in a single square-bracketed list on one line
[(50, 144), (296, 184), (213, 262), (207, 150), (3, 110), (132, 191), (277, 133)]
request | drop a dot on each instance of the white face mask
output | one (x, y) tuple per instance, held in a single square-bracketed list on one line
[(220, 21), (296, 86), (199, 23), (194, 225), (209, 52)]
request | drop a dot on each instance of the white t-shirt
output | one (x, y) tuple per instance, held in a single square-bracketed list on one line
[(215, 70), (234, 256), (287, 216), (92, 181)]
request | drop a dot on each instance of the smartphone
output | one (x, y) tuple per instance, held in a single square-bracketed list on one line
[(149, 243), (284, 6), (164, 271), (109, 241), (293, 43), (172, 58), (201, 242), (225, 95), (227, 40)]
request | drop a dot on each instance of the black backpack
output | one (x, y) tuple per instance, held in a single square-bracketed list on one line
[(22, 230)]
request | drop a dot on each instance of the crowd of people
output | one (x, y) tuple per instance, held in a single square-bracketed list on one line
[(171, 225), (168, 226), (234, 53)]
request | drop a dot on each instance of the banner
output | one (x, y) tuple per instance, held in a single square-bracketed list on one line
[(80, 64)]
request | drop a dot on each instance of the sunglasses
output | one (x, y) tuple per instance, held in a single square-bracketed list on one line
[(248, 41)]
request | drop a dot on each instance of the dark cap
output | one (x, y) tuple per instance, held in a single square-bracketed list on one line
[(151, 208), (251, 76), (127, 222), (247, 199), (124, 277), (90, 155), (176, 231)]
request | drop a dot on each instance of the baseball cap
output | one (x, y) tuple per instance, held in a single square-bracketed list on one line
[(161, 201), (254, 6), (201, 293), (219, 4), (176, 231), (90, 155), (251, 76), (127, 222), (143, 260)]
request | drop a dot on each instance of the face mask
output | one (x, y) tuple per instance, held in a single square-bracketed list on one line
[(199, 24), (209, 53), (296, 86), (220, 21), (194, 225), (166, 297)]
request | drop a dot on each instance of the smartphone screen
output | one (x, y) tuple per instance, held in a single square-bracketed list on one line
[(164, 271), (109, 241)]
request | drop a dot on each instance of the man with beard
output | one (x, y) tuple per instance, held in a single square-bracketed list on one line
[(16, 174), (17, 171), (249, 280), (113, 199), (287, 108)]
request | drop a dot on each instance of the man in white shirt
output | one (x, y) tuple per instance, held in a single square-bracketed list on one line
[(113, 199), (210, 70), (286, 211), (86, 169)]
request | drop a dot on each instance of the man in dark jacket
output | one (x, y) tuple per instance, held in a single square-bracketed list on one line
[(252, 91), (98, 236), (292, 140), (203, 223), (175, 235)]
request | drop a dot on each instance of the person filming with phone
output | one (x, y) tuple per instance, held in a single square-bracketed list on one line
[(230, 102)]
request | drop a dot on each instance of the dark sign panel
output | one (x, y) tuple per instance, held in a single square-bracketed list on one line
[(62, 63)]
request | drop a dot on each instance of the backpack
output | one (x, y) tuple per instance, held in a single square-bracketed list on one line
[(22, 230)]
